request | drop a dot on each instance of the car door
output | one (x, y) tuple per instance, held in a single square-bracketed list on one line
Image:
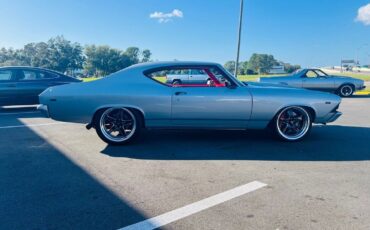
[(316, 81), (216, 107), (30, 83), (7, 87)]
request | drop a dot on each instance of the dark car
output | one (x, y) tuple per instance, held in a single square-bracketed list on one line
[(22, 85)]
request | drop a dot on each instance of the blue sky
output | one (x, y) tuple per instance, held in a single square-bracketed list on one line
[(306, 32)]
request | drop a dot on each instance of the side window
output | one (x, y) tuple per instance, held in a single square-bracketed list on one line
[(31, 75), (311, 74), (46, 75), (5, 75), (28, 75), (320, 73), (178, 77), (197, 72)]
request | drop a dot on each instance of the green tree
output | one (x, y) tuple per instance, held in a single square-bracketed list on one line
[(261, 63), (146, 54), (64, 55), (103, 60), (133, 54), (290, 68), (230, 66)]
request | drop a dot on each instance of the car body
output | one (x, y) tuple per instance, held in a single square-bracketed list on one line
[(135, 95), (316, 79), (22, 85)]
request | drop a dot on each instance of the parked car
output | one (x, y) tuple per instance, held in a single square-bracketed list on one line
[(317, 79), (120, 105), (187, 76), (22, 85)]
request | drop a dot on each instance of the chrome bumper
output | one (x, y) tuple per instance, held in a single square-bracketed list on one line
[(43, 109)]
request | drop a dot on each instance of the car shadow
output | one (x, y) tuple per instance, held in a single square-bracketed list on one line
[(41, 188), (325, 143)]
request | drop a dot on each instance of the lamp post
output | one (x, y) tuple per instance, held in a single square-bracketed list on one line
[(239, 36)]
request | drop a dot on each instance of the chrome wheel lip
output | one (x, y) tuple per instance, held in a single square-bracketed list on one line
[(304, 129), (346, 93), (109, 136)]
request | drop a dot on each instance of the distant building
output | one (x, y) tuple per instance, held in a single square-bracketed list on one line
[(277, 69)]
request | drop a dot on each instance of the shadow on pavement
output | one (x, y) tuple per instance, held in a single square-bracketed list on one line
[(40, 188), (325, 143)]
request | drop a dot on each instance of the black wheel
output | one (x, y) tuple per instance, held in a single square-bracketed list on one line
[(117, 126), (176, 82), (346, 90), (292, 123)]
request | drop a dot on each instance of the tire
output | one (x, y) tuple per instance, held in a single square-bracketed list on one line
[(346, 90), (118, 126), (176, 82), (292, 124)]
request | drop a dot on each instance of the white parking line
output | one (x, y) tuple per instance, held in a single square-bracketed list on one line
[(32, 125), (198, 206), (2, 114)]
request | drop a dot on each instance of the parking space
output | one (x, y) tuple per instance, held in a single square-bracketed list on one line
[(56, 175)]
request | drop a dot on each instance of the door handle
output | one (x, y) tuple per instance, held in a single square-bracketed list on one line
[(180, 93), (12, 85)]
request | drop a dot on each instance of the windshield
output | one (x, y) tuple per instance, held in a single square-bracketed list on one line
[(296, 71)]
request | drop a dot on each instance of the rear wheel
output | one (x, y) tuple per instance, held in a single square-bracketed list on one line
[(292, 123), (117, 126), (346, 90)]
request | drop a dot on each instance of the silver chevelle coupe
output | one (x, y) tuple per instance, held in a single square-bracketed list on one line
[(122, 104), (317, 79)]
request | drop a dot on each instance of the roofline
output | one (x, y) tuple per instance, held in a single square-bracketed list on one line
[(30, 67)]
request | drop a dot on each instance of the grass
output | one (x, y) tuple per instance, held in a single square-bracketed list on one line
[(87, 79)]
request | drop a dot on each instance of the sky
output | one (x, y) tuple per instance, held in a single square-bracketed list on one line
[(306, 32)]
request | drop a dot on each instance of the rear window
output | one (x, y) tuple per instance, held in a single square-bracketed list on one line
[(5, 75)]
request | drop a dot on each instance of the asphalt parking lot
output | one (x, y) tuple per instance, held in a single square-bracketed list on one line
[(61, 176)]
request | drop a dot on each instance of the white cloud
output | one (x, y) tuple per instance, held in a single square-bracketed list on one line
[(166, 17), (363, 14)]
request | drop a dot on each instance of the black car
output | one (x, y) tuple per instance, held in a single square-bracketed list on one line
[(22, 85)]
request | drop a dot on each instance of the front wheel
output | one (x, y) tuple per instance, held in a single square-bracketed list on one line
[(292, 123), (345, 91), (117, 126)]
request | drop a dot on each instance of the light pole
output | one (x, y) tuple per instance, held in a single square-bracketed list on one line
[(239, 35)]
